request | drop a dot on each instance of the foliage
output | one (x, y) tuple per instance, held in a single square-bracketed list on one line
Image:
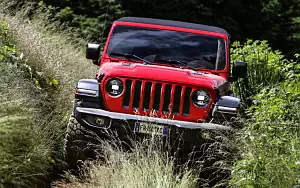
[(93, 18), (269, 142), (25, 152), (89, 19), (274, 20), (265, 68), (41, 67)]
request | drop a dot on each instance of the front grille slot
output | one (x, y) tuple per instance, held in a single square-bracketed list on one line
[(147, 95), (167, 98), (126, 98), (176, 102), (186, 102), (159, 97), (157, 92), (137, 94)]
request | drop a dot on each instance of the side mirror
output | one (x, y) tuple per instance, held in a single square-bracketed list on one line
[(93, 52), (239, 70)]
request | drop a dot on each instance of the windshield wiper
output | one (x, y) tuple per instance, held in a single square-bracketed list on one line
[(178, 62), (127, 56)]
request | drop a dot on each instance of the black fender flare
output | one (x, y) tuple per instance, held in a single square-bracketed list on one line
[(226, 106), (87, 95), (87, 87)]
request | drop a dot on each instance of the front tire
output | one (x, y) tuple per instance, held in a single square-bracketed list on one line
[(79, 144)]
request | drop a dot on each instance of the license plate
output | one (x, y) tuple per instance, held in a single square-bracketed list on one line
[(147, 128)]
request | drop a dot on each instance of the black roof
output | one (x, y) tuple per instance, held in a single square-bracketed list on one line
[(174, 24)]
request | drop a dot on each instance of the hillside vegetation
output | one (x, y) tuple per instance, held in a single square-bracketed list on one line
[(277, 21), (25, 146), (35, 112), (40, 61), (37, 78), (269, 140)]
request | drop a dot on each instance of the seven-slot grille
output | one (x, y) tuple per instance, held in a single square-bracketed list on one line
[(157, 96)]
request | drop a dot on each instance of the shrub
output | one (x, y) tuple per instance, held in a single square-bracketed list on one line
[(269, 142), (265, 67)]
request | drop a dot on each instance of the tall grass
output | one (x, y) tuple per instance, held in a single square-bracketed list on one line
[(25, 146), (34, 113), (143, 167), (148, 163), (55, 57), (49, 49)]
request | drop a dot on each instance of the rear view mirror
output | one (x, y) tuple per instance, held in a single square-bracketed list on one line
[(93, 52), (239, 70)]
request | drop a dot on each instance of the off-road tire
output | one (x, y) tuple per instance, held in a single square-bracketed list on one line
[(79, 144)]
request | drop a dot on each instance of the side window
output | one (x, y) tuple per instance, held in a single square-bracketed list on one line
[(221, 55)]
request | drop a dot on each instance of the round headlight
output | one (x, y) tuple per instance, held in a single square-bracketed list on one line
[(201, 98), (114, 87)]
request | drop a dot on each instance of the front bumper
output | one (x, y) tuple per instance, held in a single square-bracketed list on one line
[(81, 112)]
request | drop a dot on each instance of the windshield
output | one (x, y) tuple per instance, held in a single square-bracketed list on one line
[(197, 51)]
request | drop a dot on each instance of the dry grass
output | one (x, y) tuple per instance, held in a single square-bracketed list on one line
[(143, 167), (32, 145), (55, 55), (25, 145), (52, 53)]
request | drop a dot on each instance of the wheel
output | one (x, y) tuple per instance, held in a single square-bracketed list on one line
[(79, 144)]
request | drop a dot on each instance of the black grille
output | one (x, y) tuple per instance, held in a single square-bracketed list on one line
[(153, 92), (177, 98), (147, 95), (126, 99), (186, 103), (137, 94), (167, 98), (157, 93)]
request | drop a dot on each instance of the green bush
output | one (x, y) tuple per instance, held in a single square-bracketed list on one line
[(265, 67), (269, 143)]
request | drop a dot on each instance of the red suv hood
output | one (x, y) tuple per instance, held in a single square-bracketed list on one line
[(163, 73)]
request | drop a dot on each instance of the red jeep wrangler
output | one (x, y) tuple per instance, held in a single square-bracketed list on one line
[(160, 77)]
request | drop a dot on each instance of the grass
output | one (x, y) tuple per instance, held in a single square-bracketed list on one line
[(37, 97), (53, 56), (148, 164), (25, 149), (33, 125), (144, 166)]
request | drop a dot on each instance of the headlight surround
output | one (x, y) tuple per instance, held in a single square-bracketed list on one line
[(201, 98), (114, 87)]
